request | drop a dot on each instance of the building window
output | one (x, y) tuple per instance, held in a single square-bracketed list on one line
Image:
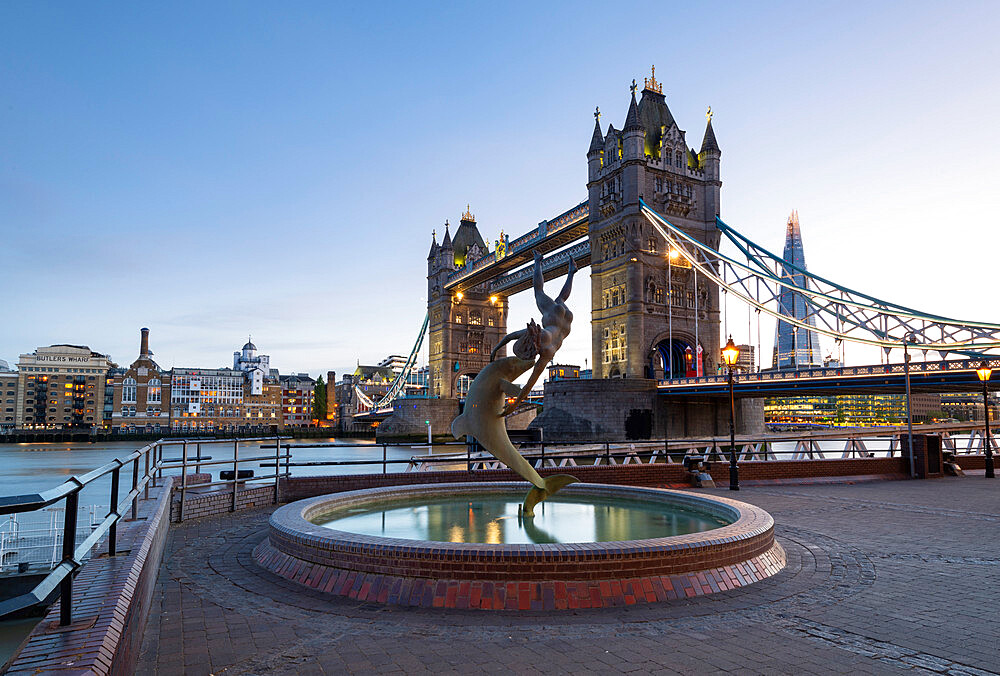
[(128, 390), (153, 391)]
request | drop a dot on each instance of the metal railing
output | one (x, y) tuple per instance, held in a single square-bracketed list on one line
[(147, 465), (916, 368), (186, 461)]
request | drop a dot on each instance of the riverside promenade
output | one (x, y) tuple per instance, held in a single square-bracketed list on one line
[(882, 577)]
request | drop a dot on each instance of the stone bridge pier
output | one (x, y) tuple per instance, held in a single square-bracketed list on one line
[(617, 409)]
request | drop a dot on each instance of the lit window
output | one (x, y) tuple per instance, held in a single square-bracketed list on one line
[(128, 390)]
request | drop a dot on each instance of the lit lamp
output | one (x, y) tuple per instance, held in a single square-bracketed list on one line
[(984, 373), (459, 296), (730, 353)]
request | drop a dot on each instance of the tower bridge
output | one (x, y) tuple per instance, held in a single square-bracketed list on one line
[(651, 232)]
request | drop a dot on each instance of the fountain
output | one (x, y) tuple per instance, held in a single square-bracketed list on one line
[(478, 545)]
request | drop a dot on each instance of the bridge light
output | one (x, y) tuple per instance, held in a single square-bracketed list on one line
[(459, 296), (494, 299), (730, 353), (673, 254), (984, 371)]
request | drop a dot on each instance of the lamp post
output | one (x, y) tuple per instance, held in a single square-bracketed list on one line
[(730, 353), (984, 373)]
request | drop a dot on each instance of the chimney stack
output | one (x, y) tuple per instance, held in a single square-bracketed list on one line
[(144, 343)]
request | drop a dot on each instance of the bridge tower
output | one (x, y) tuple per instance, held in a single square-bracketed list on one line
[(646, 311), (464, 327)]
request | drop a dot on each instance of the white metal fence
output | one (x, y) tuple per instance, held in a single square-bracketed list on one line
[(32, 542)]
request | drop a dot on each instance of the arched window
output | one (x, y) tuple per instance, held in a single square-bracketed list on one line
[(678, 159), (128, 390), (475, 318), (153, 391)]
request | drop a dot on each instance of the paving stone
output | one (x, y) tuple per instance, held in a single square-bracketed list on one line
[(881, 578)]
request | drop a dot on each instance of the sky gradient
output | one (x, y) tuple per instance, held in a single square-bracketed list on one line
[(213, 170)]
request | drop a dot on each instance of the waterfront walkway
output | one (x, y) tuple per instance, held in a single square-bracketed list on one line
[(883, 577)]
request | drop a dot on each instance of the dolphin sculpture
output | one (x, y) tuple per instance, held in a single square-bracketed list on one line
[(483, 419)]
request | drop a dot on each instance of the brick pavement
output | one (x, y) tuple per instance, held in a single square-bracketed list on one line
[(886, 577)]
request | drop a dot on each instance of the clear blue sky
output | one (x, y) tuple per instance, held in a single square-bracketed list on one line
[(214, 169)]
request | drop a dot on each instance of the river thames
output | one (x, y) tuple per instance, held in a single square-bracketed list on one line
[(27, 468)]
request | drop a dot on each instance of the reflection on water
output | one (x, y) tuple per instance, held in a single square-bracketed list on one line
[(493, 519)]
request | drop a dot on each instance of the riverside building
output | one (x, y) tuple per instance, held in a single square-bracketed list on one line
[(245, 398), (297, 400), (61, 387), (141, 393), (8, 396)]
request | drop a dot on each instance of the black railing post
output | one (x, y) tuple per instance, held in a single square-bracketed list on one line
[(184, 479), (159, 462), (145, 475), (384, 458), (68, 551), (277, 465), (468, 455), (197, 463), (135, 482), (236, 472), (113, 531)]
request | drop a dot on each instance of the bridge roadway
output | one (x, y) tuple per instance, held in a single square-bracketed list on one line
[(928, 376), (502, 274)]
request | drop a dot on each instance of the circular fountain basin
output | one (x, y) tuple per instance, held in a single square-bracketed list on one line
[(464, 546)]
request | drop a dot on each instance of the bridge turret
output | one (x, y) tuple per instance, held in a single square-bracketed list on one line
[(633, 135), (709, 161), (435, 247), (637, 331), (595, 156)]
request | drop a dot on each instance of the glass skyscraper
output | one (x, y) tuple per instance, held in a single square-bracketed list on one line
[(795, 347)]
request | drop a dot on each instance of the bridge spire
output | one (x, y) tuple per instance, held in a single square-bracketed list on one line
[(597, 140), (632, 119), (434, 245), (708, 143), (446, 242)]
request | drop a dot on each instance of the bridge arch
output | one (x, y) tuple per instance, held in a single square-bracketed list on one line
[(666, 352)]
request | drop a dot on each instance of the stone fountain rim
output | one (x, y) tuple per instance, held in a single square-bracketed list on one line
[(291, 523)]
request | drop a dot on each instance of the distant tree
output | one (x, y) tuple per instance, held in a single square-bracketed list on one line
[(319, 399)]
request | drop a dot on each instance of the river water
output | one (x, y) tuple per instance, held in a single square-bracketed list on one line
[(28, 468)]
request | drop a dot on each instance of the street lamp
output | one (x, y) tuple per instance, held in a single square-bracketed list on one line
[(730, 353), (984, 373)]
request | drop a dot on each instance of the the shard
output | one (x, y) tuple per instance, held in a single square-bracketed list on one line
[(795, 347)]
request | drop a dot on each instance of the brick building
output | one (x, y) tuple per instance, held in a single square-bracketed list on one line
[(8, 396), (141, 393), (297, 400), (61, 387)]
